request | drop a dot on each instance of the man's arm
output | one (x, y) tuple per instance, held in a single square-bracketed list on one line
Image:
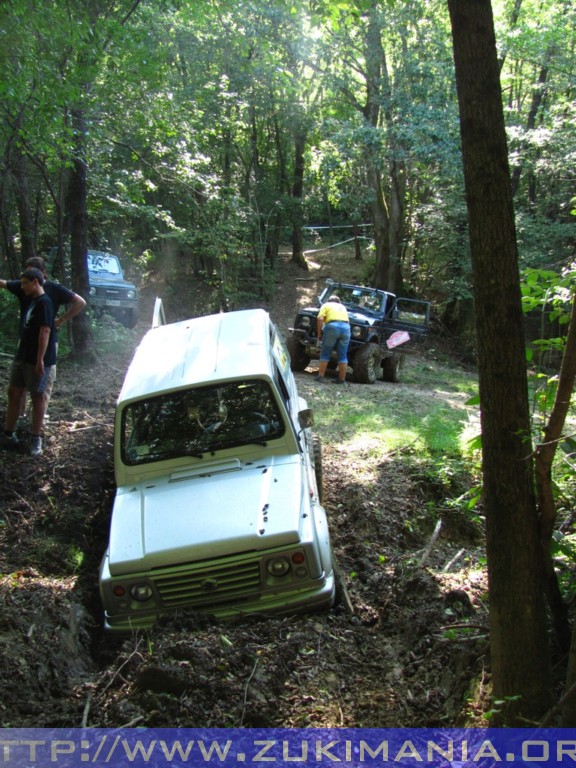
[(320, 322), (13, 286), (76, 305), (43, 339)]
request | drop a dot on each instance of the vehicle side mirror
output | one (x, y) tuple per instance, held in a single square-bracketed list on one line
[(306, 418)]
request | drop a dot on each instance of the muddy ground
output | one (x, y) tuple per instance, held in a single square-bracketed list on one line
[(414, 652)]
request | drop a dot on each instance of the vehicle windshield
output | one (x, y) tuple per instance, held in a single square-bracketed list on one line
[(200, 420), (356, 297), (102, 262)]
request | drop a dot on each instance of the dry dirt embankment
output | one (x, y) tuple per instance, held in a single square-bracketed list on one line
[(389, 664)]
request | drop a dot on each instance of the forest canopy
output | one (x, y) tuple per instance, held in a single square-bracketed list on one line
[(212, 131), (209, 136)]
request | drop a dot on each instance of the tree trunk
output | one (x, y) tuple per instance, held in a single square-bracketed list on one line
[(298, 257), (77, 196), (537, 99), (377, 92), (357, 248), (26, 219), (7, 242), (381, 224), (518, 639), (397, 214), (274, 234)]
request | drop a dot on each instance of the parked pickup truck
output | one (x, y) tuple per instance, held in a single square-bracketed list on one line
[(218, 504), (383, 327)]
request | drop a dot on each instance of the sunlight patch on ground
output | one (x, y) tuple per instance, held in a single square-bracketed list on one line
[(377, 446), (363, 444), (454, 399), (470, 432)]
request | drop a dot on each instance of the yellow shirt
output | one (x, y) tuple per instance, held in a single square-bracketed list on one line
[(333, 311)]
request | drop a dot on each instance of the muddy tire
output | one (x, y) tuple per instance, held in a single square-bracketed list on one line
[(367, 364), (318, 470), (299, 360), (391, 368), (342, 599)]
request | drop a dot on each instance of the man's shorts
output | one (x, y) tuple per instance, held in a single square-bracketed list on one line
[(335, 337), (50, 382), (23, 376)]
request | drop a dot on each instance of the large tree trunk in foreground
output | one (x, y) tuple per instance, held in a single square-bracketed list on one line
[(518, 639)]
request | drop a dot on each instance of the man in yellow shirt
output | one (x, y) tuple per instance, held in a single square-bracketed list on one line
[(333, 328)]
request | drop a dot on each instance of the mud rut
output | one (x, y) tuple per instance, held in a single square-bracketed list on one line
[(391, 663)]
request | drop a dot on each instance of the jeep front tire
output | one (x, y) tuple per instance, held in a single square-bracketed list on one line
[(299, 360)]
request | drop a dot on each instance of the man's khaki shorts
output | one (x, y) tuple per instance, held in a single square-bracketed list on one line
[(23, 375)]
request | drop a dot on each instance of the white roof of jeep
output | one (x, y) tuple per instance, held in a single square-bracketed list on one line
[(201, 351)]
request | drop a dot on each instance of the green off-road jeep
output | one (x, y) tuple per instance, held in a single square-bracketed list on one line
[(383, 328)]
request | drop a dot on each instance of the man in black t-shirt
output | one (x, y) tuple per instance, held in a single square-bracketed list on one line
[(60, 296), (35, 356)]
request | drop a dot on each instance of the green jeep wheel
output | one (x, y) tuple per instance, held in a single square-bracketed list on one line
[(391, 368), (299, 359), (366, 364)]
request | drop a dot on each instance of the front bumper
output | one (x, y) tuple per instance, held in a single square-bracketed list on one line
[(297, 601), (312, 347)]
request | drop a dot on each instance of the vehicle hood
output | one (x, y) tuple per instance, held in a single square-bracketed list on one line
[(361, 318), (217, 510)]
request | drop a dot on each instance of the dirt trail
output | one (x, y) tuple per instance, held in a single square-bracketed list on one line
[(389, 664)]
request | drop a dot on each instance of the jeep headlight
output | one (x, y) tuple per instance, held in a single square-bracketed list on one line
[(357, 331), (141, 592), (130, 294), (279, 566), (92, 291), (305, 322)]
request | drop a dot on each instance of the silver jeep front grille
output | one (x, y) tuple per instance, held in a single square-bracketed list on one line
[(215, 584)]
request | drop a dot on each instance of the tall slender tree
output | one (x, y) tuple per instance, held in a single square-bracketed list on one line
[(516, 581)]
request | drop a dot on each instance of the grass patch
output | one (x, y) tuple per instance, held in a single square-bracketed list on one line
[(431, 419)]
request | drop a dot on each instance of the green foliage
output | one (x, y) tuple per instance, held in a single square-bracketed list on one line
[(429, 434), (192, 112), (111, 337), (549, 295), (9, 311)]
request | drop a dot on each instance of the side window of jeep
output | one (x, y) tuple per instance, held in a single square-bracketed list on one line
[(284, 381), (282, 387)]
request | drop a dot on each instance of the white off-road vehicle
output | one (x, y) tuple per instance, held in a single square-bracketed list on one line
[(218, 502)]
